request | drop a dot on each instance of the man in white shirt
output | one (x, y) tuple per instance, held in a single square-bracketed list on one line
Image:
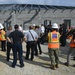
[(42, 35), (20, 28), (31, 38), (42, 28)]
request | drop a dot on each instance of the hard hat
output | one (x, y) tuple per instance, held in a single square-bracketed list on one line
[(1, 26), (33, 24), (55, 25)]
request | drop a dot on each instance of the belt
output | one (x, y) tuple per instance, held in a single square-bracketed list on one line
[(16, 42), (31, 41)]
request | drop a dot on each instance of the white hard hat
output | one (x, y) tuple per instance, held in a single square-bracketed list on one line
[(33, 24), (1, 26), (55, 25)]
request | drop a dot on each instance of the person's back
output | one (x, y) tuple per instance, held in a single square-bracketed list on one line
[(9, 45), (17, 45), (8, 31), (53, 46), (53, 39), (71, 50), (17, 36), (2, 38), (38, 41), (31, 37), (3, 35), (20, 28), (37, 31), (42, 28)]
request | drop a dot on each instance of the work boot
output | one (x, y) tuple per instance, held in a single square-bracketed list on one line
[(53, 67), (40, 52), (57, 66), (13, 66), (67, 64), (22, 65), (74, 58), (26, 58)]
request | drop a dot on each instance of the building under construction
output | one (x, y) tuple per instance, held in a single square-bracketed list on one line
[(28, 14)]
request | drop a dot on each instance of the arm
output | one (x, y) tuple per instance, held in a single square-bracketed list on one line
[(25, 39), (9, 40)]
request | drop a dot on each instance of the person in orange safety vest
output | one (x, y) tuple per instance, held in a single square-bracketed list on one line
[(53, 46), (2, 37), (72, 46)]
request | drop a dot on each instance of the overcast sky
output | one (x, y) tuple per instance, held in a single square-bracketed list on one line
[(42, 2)]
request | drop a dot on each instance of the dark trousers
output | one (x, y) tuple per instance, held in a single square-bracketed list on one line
[(9, 47), (63, 40), (36, 50), (17, 48), (3, 43), (39, 47), (30, 46), (42, 39)]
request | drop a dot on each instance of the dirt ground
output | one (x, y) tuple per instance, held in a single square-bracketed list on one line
[(39, 66)]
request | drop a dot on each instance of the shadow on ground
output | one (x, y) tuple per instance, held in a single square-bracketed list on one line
[(3, 59)]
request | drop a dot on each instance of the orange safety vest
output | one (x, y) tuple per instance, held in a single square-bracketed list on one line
[(70, 37), (72, 43), (2, 35), (53, 39)]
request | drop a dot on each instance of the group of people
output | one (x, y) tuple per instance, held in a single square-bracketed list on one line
[(56, 38), (32, 38), (14, 39)]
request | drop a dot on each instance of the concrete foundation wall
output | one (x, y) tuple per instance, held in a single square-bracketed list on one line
[(55, 16)]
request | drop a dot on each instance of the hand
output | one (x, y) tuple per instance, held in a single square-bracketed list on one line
[(74, 40)]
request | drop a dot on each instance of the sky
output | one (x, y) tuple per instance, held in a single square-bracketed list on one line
[(40, 2)]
